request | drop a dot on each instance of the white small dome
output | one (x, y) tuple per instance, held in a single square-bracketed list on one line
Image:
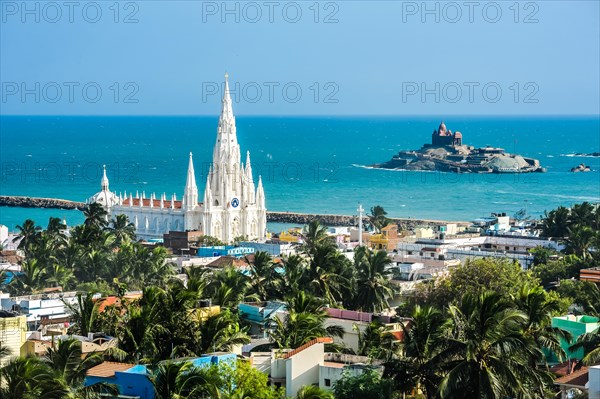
[(104, 197)]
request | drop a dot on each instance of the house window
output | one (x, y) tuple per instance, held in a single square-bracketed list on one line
[(506, 248), (327, 382)]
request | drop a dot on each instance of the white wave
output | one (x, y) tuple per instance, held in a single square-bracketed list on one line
[(579, 156), (397, 169)]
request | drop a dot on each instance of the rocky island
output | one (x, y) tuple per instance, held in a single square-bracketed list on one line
[(581, 168), (448, 153)]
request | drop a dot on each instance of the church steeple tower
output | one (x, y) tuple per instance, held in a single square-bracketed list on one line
[(190, 195)]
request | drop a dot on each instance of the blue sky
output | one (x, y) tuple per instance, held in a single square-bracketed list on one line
[(300, 58)]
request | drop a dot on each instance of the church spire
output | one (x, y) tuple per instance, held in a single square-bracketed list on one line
[(260, 194), (207, 194), (248, 166), (104, 182), (226, 108), (190, 194)]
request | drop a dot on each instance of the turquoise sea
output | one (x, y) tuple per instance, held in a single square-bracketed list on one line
[(308, 164)]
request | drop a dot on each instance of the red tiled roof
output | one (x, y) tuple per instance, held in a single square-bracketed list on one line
[(156, 203), (592, 274), (577, 379), (322, 340), (108, 369)]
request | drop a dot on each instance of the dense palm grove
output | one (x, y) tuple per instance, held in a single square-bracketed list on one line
[(480, 332)]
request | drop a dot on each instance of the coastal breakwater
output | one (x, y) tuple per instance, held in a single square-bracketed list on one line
[(35, 202), (346, 220), (274, 217)]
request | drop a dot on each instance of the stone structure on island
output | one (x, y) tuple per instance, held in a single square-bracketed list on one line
[(233, 206), (448, 153)]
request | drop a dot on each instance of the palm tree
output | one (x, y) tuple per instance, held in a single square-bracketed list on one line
[(139, 334), (373, 286), (376, 341), (556, 222), (313, 392), (582, 214), (31, 279), (300, 328), (84, 313), (68, 361), (55, 227), (222, 332), (28, 378), (540, 307), (230, 287), (95, 216), (148, 267), (418, 364), (263, 276), (580, 241), (122, 229), (302, 302), (590, 342), (181, 380), (29, 234), (327, 273), (293, 273), (70, 366), (59, 276), (378, 218), (489, 356), (313, 235)]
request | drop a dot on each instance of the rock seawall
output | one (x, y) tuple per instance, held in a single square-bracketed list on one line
[(275, 217), (346, 220), (34, 202)]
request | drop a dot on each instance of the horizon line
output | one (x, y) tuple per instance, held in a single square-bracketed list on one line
[(551, 115)]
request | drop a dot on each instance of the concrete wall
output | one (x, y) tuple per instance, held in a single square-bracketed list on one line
[(303, 368), (332, 374), (350, 338), (594, 382)]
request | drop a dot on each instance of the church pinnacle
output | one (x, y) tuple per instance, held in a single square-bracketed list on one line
[(191, 190)]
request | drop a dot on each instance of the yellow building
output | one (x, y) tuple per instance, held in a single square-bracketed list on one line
[(12, 334), (292, 235), (386, 240)]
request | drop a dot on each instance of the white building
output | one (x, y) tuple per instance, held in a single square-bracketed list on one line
[(232, 205), (441, 252), (309, 365), (39, 308)]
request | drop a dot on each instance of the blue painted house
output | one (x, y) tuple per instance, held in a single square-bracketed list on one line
[(133, 380), (259, 316)]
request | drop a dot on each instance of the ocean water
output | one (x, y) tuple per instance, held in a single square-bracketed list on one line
[(309, 164)]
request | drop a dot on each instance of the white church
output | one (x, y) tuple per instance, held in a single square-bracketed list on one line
[(232, 205)]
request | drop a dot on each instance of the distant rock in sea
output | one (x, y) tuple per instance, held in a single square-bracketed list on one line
[(581, 168), (448, 153)]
